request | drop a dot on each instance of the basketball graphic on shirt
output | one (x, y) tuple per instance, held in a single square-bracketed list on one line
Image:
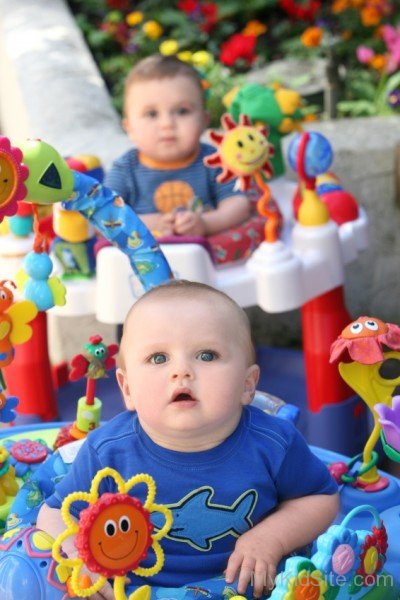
[(173, 194)]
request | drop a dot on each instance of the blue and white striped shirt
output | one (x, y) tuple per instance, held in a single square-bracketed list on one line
[(150, 190)]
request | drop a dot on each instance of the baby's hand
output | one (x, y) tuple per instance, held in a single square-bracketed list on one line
[(254, 560), (189, 223), (167, 221), (106, 593)]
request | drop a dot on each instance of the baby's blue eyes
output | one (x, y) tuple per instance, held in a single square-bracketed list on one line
[(181, 111), (207, 356), (158, 359)]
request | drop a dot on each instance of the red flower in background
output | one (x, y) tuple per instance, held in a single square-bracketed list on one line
[(205, 13), (118, 31), (304, 11), (209, 10), (236, 47), (118, 4), (188, 6)]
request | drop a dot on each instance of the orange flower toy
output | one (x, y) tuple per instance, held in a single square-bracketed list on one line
[(364, 339), (244, 152), (374, 375), (104, 536)]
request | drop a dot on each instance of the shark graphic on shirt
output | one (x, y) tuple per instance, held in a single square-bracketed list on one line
[(198, 522)]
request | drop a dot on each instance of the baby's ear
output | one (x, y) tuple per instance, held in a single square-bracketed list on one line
[(250, 384), (124, 387), (126, 124)]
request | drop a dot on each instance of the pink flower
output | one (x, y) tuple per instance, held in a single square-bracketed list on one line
[(364, 54), (391, 36)]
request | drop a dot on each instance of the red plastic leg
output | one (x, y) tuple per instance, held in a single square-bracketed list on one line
[(322, 321), (29, 375)]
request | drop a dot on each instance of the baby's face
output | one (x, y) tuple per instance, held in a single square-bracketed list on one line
[(165, 118), (187, 373)]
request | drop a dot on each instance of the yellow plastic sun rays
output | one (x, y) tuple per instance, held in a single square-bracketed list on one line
[(113, 535)]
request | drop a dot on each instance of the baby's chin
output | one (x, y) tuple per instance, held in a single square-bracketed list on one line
[(168, 153)]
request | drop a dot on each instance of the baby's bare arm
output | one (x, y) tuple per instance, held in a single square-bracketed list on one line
[(51, 521), (294, 524), (230, 212)]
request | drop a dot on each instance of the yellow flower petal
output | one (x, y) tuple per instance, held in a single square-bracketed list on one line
[(201, 58), (134, 18), (153, 30), (169, 47), (185, 56)]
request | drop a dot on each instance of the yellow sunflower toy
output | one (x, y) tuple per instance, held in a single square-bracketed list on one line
[(113, 536)]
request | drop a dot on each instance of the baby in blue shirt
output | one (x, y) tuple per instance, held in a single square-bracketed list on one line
[(243, 486), (163, 177)]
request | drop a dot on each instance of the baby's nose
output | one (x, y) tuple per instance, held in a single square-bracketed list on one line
[(167, 119), (181, 370)]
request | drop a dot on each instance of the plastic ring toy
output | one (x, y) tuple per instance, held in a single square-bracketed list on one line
[(364, 469)]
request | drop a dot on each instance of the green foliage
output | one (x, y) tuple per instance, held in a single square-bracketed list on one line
[(221, 82), (118, 43)]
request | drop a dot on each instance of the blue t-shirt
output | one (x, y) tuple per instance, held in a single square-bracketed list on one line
[(215, 495), (149, 190)]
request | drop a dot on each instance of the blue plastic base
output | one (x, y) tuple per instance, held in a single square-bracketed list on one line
[(340, 427)]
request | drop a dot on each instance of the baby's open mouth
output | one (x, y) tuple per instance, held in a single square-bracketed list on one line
[(182, 397)]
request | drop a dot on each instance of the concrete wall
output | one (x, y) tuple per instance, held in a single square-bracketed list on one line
[(366, 159), (50, 88), (50, 85)]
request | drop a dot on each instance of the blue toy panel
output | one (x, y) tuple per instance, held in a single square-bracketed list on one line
[(350, 556)]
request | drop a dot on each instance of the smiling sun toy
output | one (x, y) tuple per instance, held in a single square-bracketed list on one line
[(113, 535), (244, 152), (12, 175)]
